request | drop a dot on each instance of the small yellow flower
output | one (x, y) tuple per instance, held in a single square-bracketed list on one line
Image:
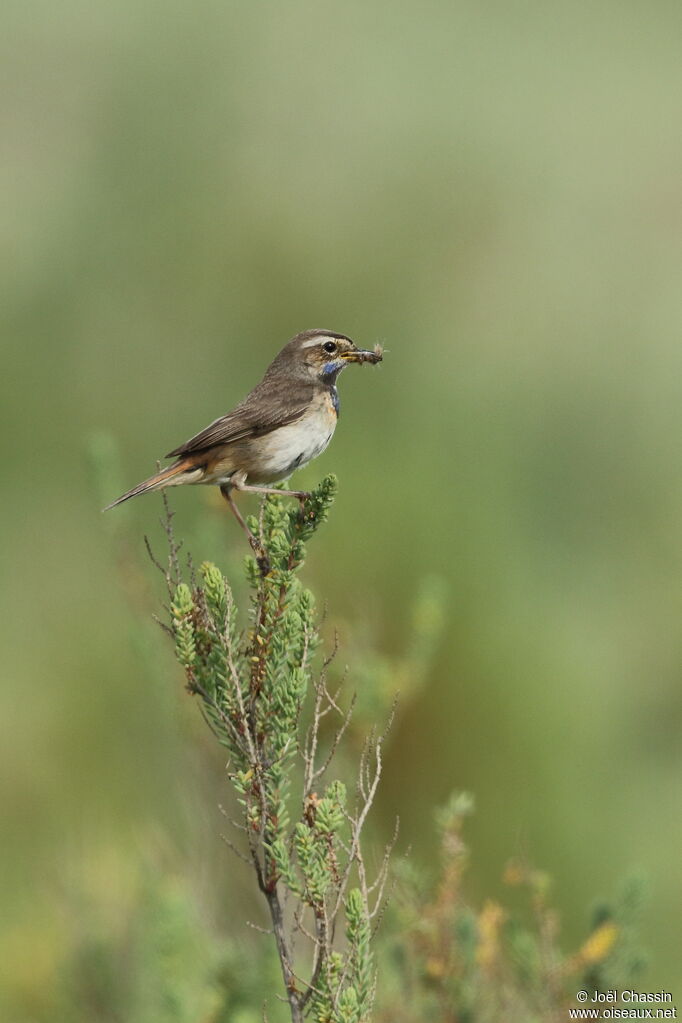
[(599, 943), (490, 920)]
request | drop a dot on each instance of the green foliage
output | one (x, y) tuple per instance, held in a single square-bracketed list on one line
[(184, 631), (358, 933), (439, 956), (158, 964), (443, 958), (261, 699)]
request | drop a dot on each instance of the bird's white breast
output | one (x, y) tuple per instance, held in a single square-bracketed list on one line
[(290, 447)]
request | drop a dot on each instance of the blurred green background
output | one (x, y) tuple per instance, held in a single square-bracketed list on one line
[(491, 190)]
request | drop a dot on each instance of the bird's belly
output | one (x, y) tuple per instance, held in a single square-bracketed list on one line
[(275, 456)]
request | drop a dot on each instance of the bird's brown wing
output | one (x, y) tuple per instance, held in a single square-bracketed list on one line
[(261, 412)]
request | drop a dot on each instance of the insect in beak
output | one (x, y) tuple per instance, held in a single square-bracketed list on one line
[(361, 355)]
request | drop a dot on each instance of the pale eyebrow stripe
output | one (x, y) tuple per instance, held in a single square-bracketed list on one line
[(320, 339)]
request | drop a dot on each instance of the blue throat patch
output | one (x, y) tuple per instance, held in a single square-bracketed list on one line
[(331, 370), (329, 373)]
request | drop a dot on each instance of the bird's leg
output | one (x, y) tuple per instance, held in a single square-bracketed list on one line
[(256, 547), (300, 495)]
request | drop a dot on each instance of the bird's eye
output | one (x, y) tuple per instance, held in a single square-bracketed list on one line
[(329, 347)]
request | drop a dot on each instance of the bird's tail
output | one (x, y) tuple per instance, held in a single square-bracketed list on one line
[(165, 478)]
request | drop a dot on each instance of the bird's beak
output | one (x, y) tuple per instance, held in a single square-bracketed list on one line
[(362, 355)]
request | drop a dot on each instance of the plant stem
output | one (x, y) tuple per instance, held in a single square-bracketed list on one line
[(284, 955)]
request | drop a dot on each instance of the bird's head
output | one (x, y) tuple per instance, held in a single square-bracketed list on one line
[(323, 354)]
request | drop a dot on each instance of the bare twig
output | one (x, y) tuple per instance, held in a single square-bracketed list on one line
[(335, 743), (256, 927), (233, 848)]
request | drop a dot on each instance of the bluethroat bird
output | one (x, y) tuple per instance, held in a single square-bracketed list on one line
[(287, 420)]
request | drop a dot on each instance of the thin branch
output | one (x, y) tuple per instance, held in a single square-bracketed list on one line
[(174, 547), (154, 560), (298, 921), (322, 952), (256, 927), (235, 824), (233, 848), (166, 628), (288, 974), (390, 846), (357, 825), (381, 908), (198, 689), (335, 742)]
